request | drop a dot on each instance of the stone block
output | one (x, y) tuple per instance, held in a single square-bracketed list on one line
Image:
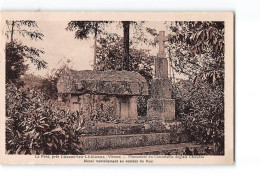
[(113, 129), (161, 68), (94, 143), (161, 88), (161, 109)]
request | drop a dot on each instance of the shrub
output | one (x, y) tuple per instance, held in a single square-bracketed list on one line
[(49, 84), (201, 110), (35, 125)]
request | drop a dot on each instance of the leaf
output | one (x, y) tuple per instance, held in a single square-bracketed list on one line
[(36, 135), (64, 120), (23, 152), (19, 148), (57, 129), (43, 118), (40, 126), (33, 152), (50, 144)]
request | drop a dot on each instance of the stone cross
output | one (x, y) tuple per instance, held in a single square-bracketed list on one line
[(161, 39)]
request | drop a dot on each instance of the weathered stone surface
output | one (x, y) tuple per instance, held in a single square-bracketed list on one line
[(103, 129), (102, 82), (93, 143), (110, 106), (114, 129), (161, 68), (161, 39), (161, 106), (162, 109), (161, 88), (180, 138)]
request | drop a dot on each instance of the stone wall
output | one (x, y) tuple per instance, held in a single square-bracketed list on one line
[(101, 107), (103, 82)]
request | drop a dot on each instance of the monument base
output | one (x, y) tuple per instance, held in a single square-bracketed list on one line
[(161, 88), (161, 109)]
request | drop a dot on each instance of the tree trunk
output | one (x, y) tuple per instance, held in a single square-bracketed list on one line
[(12, 32), (126, 64), (95, 53), (95, 47)]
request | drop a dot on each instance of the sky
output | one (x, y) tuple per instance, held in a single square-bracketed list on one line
[(60, 45)]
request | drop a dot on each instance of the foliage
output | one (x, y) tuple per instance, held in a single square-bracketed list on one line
[(16, 56), (35, 125), (15, 66), (103, 114), (49, 84), (24, 28), (138, 37), (197, 50), (200, 108), (31, 81), (110, 56), (83, 29), (17, 53), (142, 105)]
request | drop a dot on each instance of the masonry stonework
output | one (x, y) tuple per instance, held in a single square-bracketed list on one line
[(161, 106), (102, 94)]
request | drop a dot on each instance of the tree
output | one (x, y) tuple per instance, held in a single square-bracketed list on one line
[(15, 66), (17, 53), (126, 27), (24, 28), (197, 50), (49, 84), (83, 30), (110, 56), (138, 36)]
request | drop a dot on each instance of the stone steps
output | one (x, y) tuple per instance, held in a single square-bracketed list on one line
[(167, 149), (95, 143), (103, 129), (116, 129)]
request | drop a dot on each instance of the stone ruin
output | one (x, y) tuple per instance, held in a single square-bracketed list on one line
[(116, 93), (113, 92)]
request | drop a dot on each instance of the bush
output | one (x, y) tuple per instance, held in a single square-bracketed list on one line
[(49, 84), (15, 63), (35, 125), (201, 110)]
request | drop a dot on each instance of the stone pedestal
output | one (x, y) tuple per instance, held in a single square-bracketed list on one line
[(161, 88), (161, 109), (133, 108), (161, 106)]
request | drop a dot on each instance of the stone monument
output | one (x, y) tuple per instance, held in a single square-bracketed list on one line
[(161, 106), (108, 93)]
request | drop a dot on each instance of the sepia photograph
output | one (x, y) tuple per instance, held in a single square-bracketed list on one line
[(115, 86)]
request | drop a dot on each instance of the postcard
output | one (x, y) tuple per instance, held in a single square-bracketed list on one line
[(120, 88)]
